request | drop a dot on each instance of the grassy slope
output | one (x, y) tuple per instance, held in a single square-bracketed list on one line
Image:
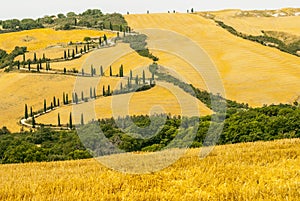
[(252, 171), (250, 72), (41, 38)]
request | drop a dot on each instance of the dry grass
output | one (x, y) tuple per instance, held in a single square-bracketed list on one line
[(249, 71), (253, 171), (38, 39)]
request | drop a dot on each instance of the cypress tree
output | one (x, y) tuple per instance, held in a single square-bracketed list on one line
[(121, 28), (44, 57), (105, 39), (58, 104), (73, 54), (68, 53), (81, 119), (144, 77), (121, 87), (82, 72), (130, 74), (92, 70), (58, 119), (29, 63), (88, 47), (108, 90), (137, 80), (45, 105), (38, 67), (34, 58), (65, 54), (91, 92), (118, 35), (101, 71), (33, 122), (26, 112), (76, 98), (76, 49), (103, 90), (84, 48), (24, 58), (18, 64), (128, 83), (82, 96), (31, 112), (54, 101), (100, 41), (121, 71), (73, 97), (110, 26), (64, 98), (70, 121), (65, 70), (81, 51), (51, 106), (67, 99), (110, 71), (94, 93), (40, 64)]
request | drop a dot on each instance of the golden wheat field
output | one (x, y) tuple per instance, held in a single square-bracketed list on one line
[(254, 25), (164, 98), (252, 171), (250, 72), (41, 38)]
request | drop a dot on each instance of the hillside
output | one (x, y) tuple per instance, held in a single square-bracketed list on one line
[(260, 171), (250, 72)]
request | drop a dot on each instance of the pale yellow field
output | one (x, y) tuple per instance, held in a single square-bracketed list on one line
[(254, 25), (249, 71), (164, 98), (41, 38), (253, 171)]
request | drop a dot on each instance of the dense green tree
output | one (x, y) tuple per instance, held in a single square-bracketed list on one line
[(137, 80), (67, 99), (34, 58), (82, 72), (73, 54), (101, 71), (110, 26), (64, 98), (91, 92), (92, 70), (54, 101), (65, 54), (65, 70), (31, 112), (103, 91), (131, 76), (121, 73), (82, 96), (18, 64), (105, 39), (94, 93), (108, 90)]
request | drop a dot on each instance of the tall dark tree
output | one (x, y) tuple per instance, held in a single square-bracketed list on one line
[(121, 73), (67, 99), (129, 83), (91, 92), (76, 49), (82, 96), (144, 77), (58, 119), (26, 112), (84, 48), (101, 71), (31, 112), (108, 90), (29, 63), (76, 98), (51, 106), (103, 91), (121, 28), (81, 119), (64, 98), (94, 93), (54, 101), (100, 41), (65, 70), (34, 58), (110, 26), (33, 122), (38, 67), (92, 70), (24, 58), (110, 71), (68, 53), (45, 105), (65, 54), (73, 54), (18, 64), (121, 86), (137, 80), (192, 10), (70, 121), (105, 39), (82, 72), (58, 104), (44, 57), (131, 76)]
